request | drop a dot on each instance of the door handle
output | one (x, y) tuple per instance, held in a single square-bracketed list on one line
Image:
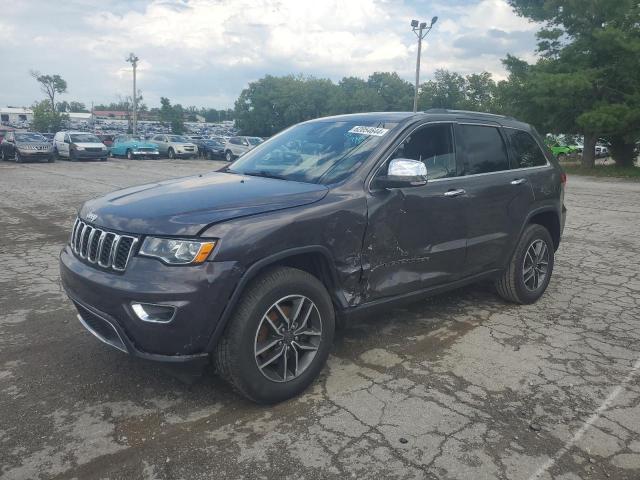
[(455, 193), (518, 181)]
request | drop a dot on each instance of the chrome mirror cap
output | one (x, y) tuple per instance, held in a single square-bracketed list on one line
[(405, 167)]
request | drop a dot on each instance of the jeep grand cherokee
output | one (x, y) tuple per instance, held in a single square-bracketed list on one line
[(253, 265)]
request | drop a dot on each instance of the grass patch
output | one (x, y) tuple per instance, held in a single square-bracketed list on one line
[(604, 171)]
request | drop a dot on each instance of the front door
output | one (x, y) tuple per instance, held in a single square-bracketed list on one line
[(416, 236)]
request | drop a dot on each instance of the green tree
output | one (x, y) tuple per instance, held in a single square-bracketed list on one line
[(396, 93), (45, 119), (451, 90), (588, 77), (172, 114), (51, 85)]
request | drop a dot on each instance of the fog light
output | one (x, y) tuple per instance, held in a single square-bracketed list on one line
[(149, 312)]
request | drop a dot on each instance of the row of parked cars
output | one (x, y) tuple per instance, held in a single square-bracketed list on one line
[(73, 145)]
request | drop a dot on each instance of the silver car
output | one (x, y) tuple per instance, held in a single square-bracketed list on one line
[(238, 146), (175, 146)]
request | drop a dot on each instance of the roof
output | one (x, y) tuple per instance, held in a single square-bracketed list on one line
[(16, 110)]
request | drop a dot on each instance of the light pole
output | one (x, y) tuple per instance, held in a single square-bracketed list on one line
[(133, 60), (421, 30)]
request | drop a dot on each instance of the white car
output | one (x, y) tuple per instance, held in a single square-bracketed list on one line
[(78, 146), (238, 146), (175, 146)]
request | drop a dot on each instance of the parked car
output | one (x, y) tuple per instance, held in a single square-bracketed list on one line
[(25, 146), (212, 149), (198, 140), (602, 151), (563, 151), (254, 265), (78, 146), (133, 147), (175, 146), (238, 146), (106, 139)]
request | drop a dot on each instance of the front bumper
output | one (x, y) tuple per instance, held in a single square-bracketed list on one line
[(89, 154), (103, 300), (36, 154), (146, 153)]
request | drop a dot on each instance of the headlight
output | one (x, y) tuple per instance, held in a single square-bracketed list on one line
[(177, 252)]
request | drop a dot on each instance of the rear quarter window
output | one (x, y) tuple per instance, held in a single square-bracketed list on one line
[(524, 149)]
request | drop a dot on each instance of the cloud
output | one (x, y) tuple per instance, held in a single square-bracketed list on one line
[(204, 52)]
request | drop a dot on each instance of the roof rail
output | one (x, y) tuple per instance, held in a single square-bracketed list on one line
[(447, 110)]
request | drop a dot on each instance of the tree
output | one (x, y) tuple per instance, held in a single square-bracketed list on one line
[(172, 114), (72, 106), (45, 119), (451, 90), (51, 85), (396, 93), (588, 77)]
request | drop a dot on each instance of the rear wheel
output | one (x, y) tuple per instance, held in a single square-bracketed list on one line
[(279, 336), (529, 271)]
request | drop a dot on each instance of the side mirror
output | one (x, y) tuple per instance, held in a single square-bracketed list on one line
[(402, 173)]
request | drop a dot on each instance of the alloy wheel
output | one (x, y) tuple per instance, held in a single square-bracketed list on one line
[(535, 266), (288, 338)]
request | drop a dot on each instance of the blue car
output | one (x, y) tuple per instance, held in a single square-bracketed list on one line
[(133, 147)]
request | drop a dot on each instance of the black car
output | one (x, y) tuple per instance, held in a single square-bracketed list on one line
[(255, 264), (211, 149), (26, 146)]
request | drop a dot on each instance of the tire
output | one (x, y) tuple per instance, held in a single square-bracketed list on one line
[(228, 156), (18, 157), (72, 156), (562, 157), (130, 154), (235, 357), (103, 159), (51, 159), (172, 154), (3, 156), (512, 285)]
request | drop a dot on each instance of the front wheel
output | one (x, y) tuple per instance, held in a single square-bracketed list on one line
[(172, 154), (130, 155), (279, 336), (18, 157), (228, 156), (529, 271)]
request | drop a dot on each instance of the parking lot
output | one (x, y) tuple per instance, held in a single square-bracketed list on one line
[(459, 386)]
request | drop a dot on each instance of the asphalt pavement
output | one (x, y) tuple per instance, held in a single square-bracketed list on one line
[(459, 386)]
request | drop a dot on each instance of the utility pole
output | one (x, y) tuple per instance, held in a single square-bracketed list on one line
[(421, 30), (133, 60)]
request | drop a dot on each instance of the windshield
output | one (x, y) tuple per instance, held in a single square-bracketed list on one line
[(255, 140), (178, 138), (317, 152), (29, 137), (84, 138)]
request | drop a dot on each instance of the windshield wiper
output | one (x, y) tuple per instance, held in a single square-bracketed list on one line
[(264, 173)]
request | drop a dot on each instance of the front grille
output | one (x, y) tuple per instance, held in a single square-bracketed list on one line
[(146, 149), (93, 149), (101, 247)]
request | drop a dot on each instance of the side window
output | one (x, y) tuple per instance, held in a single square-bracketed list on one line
[(433, 145), (483, 149), (525, 150)]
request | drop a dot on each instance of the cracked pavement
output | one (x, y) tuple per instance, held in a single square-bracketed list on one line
[(458, 386)]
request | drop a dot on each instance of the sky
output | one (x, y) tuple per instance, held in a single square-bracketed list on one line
[(205, 52)]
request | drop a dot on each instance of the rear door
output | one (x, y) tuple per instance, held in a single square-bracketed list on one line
[(497, 198)]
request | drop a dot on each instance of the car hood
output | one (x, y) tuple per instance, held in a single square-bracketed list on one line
[(186, 206)]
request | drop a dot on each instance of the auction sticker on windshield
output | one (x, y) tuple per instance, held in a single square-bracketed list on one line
[(375, 131)]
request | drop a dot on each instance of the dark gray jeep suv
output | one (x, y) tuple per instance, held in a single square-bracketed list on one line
[(255, 264)]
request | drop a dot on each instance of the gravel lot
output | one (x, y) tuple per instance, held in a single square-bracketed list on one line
[(460, 386)]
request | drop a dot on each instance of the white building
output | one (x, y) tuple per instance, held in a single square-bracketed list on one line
[(15, 115)]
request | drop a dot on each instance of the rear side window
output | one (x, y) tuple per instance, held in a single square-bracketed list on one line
[(483, 149), (525, 150)]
